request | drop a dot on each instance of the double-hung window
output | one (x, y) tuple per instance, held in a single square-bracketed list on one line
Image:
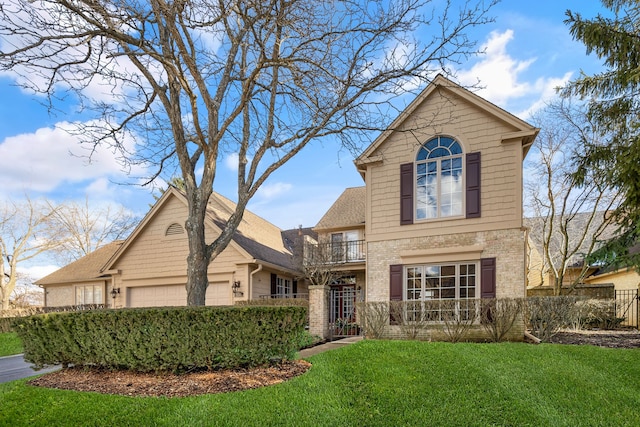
[(439, 179)]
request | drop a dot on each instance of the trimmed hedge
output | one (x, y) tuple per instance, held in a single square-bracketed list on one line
[(163, 339)]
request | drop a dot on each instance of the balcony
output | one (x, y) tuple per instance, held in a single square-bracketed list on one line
[(353, 251)]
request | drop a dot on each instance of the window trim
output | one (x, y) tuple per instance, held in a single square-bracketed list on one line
[(463, 192), (477, 285)]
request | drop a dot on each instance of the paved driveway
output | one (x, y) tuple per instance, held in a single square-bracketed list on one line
[(14, 368)]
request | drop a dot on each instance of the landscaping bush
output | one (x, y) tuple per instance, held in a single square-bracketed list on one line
[(163, 339), (457, 317), (594, 313), (546, 315), (498, 316), (373, 317)]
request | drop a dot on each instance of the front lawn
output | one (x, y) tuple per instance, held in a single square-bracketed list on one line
[(10, 344), (383, 383)]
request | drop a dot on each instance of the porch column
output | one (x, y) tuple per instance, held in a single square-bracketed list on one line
[(319, 310)]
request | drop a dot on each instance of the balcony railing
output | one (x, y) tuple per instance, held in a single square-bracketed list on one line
[(285, 296), (336, 252)]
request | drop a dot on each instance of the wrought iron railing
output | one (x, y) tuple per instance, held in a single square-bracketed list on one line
[(336, 252), (285, 296)]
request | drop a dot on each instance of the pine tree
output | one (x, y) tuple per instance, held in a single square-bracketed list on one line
[(614, 105)]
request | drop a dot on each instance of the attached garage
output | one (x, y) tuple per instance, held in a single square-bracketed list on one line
[(218, 293), (157, 296)]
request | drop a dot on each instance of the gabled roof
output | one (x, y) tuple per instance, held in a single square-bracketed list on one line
[(256, 237), (85, 269), (521, 128), (348, 211)]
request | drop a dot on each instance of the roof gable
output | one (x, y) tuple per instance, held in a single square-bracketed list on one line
[(256, 238), (521, 129)]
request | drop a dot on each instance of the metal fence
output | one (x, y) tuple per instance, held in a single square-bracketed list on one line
[(627, 303)]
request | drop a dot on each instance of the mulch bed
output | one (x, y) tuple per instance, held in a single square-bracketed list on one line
[(170, 385), (609, 339)]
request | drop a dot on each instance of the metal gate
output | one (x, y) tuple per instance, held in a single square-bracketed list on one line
[(342, 311), (627, 303)]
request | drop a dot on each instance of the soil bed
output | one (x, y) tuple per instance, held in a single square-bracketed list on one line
[(170, 385), (610, 339)]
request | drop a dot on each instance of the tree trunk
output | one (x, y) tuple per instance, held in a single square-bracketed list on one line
[(198, 258)]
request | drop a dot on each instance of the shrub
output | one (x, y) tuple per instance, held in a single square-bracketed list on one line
[(546, 315), (410, 316), (373, 317), (498, 316), (163, 339), (457, 317), (594, 313)]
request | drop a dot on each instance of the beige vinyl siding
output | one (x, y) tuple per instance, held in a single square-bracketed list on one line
[(59, 296), (65, 295), (152, 255), (476, 131)]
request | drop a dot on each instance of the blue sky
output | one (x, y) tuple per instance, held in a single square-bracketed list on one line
[(529, 52)]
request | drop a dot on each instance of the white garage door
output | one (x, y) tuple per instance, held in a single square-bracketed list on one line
[(219, 293), (157, 296)]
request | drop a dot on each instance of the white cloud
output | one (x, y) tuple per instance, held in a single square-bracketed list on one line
[(273, 190), (231, 161), (498, 71), (37, 272), (501, 76), (50, 157)]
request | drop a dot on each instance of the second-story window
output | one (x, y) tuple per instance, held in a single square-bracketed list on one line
[(439, 179)]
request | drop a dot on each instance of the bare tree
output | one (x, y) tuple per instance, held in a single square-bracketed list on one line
[(321, 260), (26, 231), (569, 220), (83, 229), (190, 81)]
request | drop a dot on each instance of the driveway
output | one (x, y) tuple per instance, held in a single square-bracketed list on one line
[(14, 368)]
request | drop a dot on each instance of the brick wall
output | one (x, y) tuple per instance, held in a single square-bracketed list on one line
[(507, 246)]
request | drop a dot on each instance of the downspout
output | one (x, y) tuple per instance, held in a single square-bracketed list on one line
[(250, 290)]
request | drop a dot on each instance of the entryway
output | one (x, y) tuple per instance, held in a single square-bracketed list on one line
[(342, 311)]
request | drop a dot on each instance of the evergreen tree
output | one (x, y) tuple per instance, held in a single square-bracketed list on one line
[(614, 106)]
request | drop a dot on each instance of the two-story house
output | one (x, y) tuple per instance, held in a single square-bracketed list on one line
[(440, 214)]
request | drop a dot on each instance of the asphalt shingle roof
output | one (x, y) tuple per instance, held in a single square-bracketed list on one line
[(86, 268), (348, 211)]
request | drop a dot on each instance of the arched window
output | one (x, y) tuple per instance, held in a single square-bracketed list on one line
[(439, 179)]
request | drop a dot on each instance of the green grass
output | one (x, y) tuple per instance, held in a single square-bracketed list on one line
[(10, 344), (383, 383)]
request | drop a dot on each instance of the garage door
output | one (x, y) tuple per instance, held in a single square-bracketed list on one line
[(219, 293), (157, 296)]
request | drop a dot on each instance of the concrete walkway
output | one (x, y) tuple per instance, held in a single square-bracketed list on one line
[(332, 345), (15, 368)]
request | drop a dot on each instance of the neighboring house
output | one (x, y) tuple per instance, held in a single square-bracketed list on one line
[(573, 238), (149, 268), (440, 215)]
